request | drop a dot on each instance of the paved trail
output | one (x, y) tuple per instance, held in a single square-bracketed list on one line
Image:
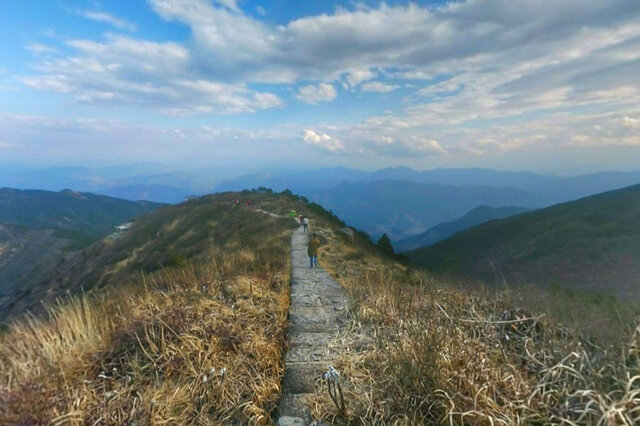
[(317, 311)]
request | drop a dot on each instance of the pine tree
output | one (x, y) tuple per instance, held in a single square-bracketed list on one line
[(385, 244)]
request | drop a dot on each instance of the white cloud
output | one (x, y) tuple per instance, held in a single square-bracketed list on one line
[(495, 61), (312, 94), (322, 140), (229, 4), (133, 72), (377, 86), (119, 23), (443, 87), (355, 77), (40, 49)]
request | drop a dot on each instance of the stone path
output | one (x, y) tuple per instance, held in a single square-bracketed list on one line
[(317, 311)]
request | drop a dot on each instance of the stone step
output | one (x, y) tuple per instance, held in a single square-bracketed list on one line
[(303, 377), (305, 299), (295, 406), (317, 310), (310, 347)]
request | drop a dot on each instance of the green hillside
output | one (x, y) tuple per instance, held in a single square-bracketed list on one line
[(82, 216), (589, 244), (41, 230), (444, 230)]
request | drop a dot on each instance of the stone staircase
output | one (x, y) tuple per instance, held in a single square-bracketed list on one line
[(317, 311)]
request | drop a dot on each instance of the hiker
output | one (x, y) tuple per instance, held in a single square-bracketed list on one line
[(312, 250), (305, 223)]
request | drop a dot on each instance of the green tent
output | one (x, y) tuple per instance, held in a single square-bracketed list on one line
[(293, 213)]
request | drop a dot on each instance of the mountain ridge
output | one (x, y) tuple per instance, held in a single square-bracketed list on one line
[(476, 216), (590, 243)]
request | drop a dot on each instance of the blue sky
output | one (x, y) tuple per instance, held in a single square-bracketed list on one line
[(526, 84)]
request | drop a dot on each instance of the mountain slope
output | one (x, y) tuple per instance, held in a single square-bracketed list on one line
[(181, 320), (402, 208), (444, 230), (88, 215), (195, 230), (591, 243), (39, 230)]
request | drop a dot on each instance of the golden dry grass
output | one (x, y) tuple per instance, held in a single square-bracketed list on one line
[(157, 355), (199, 341), (419, 352)]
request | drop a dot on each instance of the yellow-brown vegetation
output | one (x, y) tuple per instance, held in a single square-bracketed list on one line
[(418, 351)]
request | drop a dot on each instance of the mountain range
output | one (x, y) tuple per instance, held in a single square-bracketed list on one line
[(400, 217), (444, 230), (589, 244)]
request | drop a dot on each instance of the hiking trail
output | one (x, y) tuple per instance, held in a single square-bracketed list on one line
[(316, 314)]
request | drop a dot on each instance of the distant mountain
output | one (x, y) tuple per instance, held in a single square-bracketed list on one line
[(592, 243), (40, 230), (150, 192), (400, 215), (444, 230), (548, 189), (147, 181), (402, 208), (86, 214), (295, 181)]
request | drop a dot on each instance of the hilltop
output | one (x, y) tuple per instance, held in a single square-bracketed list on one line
[(589, 244)]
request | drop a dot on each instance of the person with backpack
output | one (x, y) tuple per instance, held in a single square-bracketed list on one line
[(305, 224), (312, 250)]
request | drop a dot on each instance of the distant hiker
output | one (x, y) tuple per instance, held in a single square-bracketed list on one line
[(300, 219), (305, 223), (312, 250)]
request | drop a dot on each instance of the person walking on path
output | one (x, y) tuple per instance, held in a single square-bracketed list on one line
[(305, 224), (312, 250)]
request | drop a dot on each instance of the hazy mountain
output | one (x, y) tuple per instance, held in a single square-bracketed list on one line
[(400, 215), (591, 243), (444, 230), (86, 214), (144, 181), (295, 181), (157, 193), (402, 208)]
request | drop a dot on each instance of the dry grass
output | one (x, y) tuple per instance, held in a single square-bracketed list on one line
[(202, 343), (417, 352), (156, 356)]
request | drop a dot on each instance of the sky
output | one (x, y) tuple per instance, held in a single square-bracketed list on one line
[(548, 86)]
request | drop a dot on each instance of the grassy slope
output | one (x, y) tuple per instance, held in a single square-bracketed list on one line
[(420, 350), (189, 290), (137, 348), (444, 230), (591, 243), (40, 229)]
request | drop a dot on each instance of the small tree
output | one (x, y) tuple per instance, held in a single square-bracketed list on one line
[(385, 244)]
